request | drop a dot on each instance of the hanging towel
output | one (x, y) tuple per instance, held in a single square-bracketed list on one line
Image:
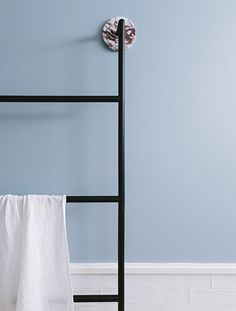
[(34, 257)]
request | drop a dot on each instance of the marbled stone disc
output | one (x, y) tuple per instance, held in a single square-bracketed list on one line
[(109, 33)]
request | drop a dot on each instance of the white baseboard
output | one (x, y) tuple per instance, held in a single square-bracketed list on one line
[(154, 268), (159, 286)]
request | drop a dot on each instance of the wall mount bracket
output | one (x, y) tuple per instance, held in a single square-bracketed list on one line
[(111, 37)]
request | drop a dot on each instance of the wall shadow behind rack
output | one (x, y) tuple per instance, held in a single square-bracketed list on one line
[(120, 198)]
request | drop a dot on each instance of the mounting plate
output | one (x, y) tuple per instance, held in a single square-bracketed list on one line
[(109, 33)]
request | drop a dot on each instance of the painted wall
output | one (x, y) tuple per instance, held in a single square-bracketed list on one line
[(180, 114)]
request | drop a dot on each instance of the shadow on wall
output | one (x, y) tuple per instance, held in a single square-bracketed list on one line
[(78, 46), (53, 45), (58, 65), (89, 39), (39, 112)]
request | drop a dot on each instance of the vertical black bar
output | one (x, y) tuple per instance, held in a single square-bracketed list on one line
[(121, 166)]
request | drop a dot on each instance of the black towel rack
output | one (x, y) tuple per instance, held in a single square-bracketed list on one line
[(120, 198)]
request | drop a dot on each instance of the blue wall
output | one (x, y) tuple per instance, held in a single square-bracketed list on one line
[(180, 113)]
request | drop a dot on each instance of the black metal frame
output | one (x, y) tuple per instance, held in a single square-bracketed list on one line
[(120, 198)]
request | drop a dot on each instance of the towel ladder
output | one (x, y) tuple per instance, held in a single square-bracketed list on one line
[(120, 198)]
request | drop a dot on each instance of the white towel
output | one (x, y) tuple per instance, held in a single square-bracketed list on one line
[(34, 257)]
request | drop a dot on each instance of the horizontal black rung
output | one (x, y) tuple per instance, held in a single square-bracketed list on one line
[(96, 298), (92, 199), (57, 99)]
